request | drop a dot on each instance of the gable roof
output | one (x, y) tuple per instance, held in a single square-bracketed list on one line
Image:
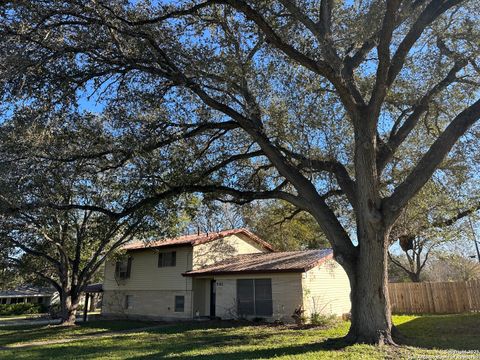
[(288, 261), (191, 240)]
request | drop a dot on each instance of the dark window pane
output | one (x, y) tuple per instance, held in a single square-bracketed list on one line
[(128, 301), (179, 303), (129, 268), (160, 260), (123, 268), (167, 259), (245, 297), (263, 297)]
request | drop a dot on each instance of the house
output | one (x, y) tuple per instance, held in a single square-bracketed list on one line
[(230, 274), (27, 294)]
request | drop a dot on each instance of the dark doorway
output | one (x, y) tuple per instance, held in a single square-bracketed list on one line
[(213, 290)]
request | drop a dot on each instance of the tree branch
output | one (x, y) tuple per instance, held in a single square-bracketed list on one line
[(430, 161), (396, 138)]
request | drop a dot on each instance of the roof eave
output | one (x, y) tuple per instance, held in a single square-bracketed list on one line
[(239, 272), (168, 246)]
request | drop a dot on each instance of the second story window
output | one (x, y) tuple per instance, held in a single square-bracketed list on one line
[(123, 268), (166, 259)]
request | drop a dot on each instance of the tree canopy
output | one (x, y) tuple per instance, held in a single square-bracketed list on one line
[(50, 228), (317, 103)]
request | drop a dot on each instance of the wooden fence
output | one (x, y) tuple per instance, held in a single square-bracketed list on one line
[(435, 298)]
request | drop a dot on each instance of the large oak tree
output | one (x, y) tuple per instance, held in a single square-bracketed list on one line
[(311, 102)]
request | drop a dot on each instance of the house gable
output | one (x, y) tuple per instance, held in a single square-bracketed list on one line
[(211, 252)]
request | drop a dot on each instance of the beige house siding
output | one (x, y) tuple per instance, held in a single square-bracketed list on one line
[(286, 294), (146, 304), (146, 275), (218, 250), (326, 289)]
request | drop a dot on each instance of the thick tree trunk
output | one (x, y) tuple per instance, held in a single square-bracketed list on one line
[(69, 306), (415, 277), (371, 313)]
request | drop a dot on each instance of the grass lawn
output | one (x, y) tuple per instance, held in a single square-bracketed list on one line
[(428, 337)]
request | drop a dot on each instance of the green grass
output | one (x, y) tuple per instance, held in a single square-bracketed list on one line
[(10, 335), (428, 337)]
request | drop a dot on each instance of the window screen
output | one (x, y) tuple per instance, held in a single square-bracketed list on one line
[(263, 297), (254, 297), (245, 297), (167, 259), (179, 303), (123, 268)]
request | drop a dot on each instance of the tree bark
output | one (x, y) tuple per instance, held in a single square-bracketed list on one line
[(414, 276), (69, 306), (371, 321)]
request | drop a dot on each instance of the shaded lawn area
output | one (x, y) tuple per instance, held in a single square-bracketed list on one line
[(22, 334), (224, 340)]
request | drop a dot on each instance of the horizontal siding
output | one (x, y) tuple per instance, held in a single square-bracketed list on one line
[(326, 289), (158, 304), (146, 275), (286, 295), (221, 249)]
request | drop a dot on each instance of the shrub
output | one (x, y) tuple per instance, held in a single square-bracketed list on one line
[(21, 308), (319, 319), (299, 316)]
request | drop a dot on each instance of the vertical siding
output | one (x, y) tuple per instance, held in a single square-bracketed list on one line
[(286, 294), (326, 289), (200, 296), (146, 275), (218, 250)]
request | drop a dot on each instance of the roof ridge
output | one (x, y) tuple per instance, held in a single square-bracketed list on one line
[(196, 239)]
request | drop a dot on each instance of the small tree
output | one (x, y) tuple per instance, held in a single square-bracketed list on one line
[(431, 221)]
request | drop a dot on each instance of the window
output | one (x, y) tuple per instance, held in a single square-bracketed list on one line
[(128, 301), (4, 301), (179, 303), (254, 297), (167, 259), (40, 300), (123, 268)]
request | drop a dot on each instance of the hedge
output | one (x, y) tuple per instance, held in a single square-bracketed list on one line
[(21, 308)]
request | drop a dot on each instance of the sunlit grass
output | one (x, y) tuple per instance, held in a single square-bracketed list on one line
[(230, 341)]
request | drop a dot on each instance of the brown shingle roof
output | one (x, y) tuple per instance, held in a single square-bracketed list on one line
[(289, 261), (196, 239)]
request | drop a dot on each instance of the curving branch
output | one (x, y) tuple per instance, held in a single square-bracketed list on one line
[(430, 161), (398, 136)]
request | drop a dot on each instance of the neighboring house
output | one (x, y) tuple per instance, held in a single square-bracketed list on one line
[(230, 274), (27, 294)]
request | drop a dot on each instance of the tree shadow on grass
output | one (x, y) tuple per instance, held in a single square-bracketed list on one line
[(178, 351), (31, 333), (458, 332)]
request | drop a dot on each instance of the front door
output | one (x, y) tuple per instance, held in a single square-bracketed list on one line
[(213, 290)]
